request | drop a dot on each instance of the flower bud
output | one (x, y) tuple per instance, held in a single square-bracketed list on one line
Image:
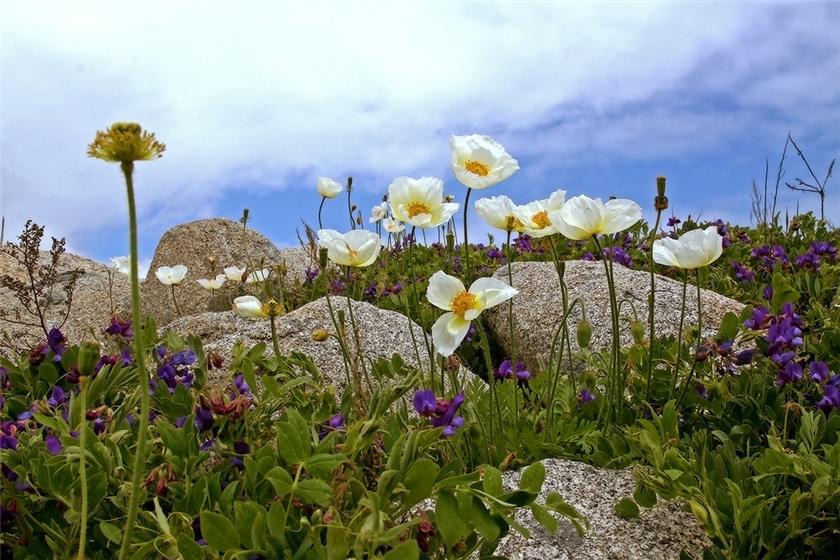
[(322, 257), (349, 184), (660, 203), (450, 241), (584, 333), (88, 356), (637, 329), (320, 335)]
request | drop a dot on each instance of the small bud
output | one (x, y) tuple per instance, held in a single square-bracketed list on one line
[(359, 219), (584, 333), (637, 329), (244, 218), (349, 184), (660, 186), (322, 257), (450, 198), (88, 356), (320, 335), (660, 203), (450, 241)]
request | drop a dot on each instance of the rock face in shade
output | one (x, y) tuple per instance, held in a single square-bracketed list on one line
[(538, 310), (383, 333), (90, 311), (194, 244), (659, 533)]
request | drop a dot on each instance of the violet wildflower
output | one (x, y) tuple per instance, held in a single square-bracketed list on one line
[(57, 397), (53, 445), (120, 328), (371, 292), (830, 399), (203, 419), (448, 418), (311, 273), (617, 254), (523, 243), (818, 372), (808, 261), (768, 292), (744, 357), (759, 320), (585, 396), (180, 421), (242, 385), (337, 287), (588, 256), (505, 370), (56, 342), (425, 402), (742, 273), (702, 391), (673, 221), (791, 373), (496, 254)]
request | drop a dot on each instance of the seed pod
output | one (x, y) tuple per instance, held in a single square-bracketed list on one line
[(450, 241), (320, 335), (322, 257), (637, 329), (584, 333)]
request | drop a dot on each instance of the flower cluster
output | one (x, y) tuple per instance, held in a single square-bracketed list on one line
[(769, 255), (742, 274), (440, 412), (174, 368), (508, 370), (818, 251)]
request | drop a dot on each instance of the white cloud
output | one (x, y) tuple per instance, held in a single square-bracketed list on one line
[(264, 91)]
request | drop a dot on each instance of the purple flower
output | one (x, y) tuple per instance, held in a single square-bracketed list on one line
[(126, 357), (759, 320), (425, 402), (617, 254), (203, 419), (8, 442), (830, 400), (120, 328), (53, 445), (180, 421), (336, 421), (702, 391), (103, 361), (494, 253), (769, 256), (57, 397), (242, 385), (56, 342), (183, 358), (768, 292), (744, 357), (505, 370), (207, 444), (673, 221), (819, 372), (588, 256), (371, 292), (742, 273), (808, 261), (337, 287), (100, 425), (586, 396), (311, 273), (824, 249), (450, 429), (791, 373), (452, 407), (523, 243)]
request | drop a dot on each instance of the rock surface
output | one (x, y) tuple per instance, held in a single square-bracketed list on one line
[(90, 311), (537, 309), (194, 244), (382, 334), (659, 533)]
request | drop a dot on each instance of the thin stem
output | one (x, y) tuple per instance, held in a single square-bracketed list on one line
[(679, 338), (651, 300), (511, 338), (320, 208), (612, 381), (83, 467), (699, 339), (175, 301), (140, 361), (350, 207), (467, 275), (413, 280), (274, 342)]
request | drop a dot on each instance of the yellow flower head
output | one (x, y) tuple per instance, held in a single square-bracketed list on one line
[(124, 143)]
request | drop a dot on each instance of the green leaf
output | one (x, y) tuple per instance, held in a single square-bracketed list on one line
[(532, 478), (542, 514), (111, 532), (172, 437), (294, 438), (281, 480), (246, 515), (448, 519), (405, 551), (644, 496), (314, 491), (219, 531), (555, 502), (419, 481), (337, 545), (627, 509), (322, 464), (492, 481), (188, 548), (481, 519)]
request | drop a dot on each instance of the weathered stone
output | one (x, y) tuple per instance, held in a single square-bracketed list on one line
[(659, 533), (382, 334), (537, 309), (206, 247), (93, 301)]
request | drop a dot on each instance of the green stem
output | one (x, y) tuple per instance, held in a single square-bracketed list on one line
[(274, 342), (651, 300), (83, 467), (175, 301), (320, 208), (676, 378), (467, 274), (488, 363), (699, 339), (413, 280), (140, 362), (612, 375), (511, 337)]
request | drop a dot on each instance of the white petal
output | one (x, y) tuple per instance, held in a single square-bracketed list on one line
[(663, 252), (619, 214), (248, 306), (448, 332), (442, 290), (492, 291)]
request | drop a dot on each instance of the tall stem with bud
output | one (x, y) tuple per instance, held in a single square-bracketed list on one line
[(660, 204)]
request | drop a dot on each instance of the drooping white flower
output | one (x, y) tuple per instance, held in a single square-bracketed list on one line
[(499, 212), (536, 216), (234, 273), (462, 306), (253, 308), (260, 275), (420, 202), (378, 212), (479, 161), (213, 283), (582, 217), (392, 226), (694, 249), (328, 188), (357, 248), (171, 276), (121, 264)]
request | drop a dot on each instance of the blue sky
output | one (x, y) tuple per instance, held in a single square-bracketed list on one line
[(258, 99)]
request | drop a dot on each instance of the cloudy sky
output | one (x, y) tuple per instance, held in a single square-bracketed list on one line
[(255, 100)]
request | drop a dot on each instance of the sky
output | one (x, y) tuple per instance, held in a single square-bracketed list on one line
[(256, 100)]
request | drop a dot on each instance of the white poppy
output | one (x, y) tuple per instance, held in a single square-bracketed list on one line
[(462, 306), (121, 264), (392, 226), (694, 249), (499, 212), (420, 202), (479, 161), (249, 306), (213, 283), (328, 188), (171, 276), (378, 212), (536, 216), (233, 273), (260, 275), (357, 248), (582, 217)]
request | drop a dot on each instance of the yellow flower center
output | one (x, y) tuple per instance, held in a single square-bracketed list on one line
[(513, 223), (477, 168), (541, 219), (463, 302), (417, 208)]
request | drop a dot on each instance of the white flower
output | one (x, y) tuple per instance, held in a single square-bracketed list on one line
[(234, 274), (461, 306), (249, 306), (378, 212), (328, 188), (536, 216), (358, 247), (499, 212), (212, 284), (479, 161), (419, 202), (582, 217), (171, 276), (694, 249), (392, 226), (260, 275), (121, 264)]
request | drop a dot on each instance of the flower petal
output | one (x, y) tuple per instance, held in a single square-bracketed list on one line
[(492, 291), (448, 332), (442, 290)]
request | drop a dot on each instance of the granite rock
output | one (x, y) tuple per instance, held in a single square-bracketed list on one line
[(537, 309)]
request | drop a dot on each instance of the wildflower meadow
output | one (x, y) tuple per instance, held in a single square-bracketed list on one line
[(125, 444)]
